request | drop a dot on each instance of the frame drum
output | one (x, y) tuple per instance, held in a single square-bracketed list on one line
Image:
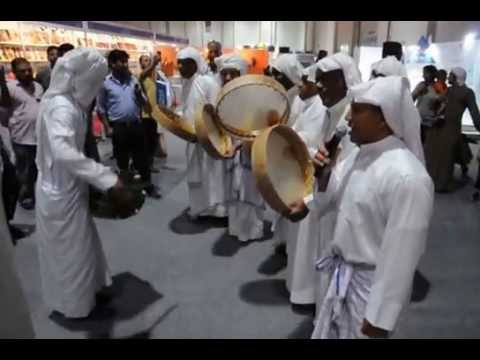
[(174, 123), (250, 103), (282, 167), (211, 135)]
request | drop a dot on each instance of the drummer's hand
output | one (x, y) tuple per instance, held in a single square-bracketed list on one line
[(273, 118), (124, 200), (209, 109), (298, 211), (322, 159), (233, 150), (372, 331)]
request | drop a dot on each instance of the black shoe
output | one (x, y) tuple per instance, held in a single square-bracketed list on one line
[(153, 192), (16, 233), (103, 298), (28, 204), (281, 249), (154, 170)]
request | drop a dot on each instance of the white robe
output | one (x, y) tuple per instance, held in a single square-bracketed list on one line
[(384, 200), (302, 237), (15, 321), (206, 176), (72, 262), (323, 223), (246, 207)]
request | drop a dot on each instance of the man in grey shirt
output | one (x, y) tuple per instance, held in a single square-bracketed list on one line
[(43, 77), (23, 106)]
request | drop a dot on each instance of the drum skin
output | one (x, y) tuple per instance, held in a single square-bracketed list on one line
[(282, 167), (251, 103), (211, 135)]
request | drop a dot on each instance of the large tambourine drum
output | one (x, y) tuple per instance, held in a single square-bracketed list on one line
[(251, 103), (213, 138), (174, 123), (110, 206), (282, 167)]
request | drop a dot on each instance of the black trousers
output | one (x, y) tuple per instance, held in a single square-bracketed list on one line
[(423, 133), (11, 187), (26, 170), (151, 138), (91, 149), (129, 143)]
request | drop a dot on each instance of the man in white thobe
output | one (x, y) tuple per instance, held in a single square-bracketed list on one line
[(15, 321), (334, 75), (302, 248), (73, 267), (246, 206), (206, 176), (287, 70), (384, 201)]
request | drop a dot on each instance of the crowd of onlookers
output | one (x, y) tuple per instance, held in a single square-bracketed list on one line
[(441, 109), (123, 107)]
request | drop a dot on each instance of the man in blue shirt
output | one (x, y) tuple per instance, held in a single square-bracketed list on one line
[(120, 102)]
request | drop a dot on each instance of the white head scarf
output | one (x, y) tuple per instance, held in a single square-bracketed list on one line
[(79, 73), (389, 66), (392, 95), (290, 66), (192, 53), (460, 75), (232, 61), (341, 61), (309, 72)]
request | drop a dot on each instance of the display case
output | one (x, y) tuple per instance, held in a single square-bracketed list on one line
[(31, 39), (106, 37)]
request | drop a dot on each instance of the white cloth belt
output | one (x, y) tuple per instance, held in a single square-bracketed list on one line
[(341, 276), (345, 279)]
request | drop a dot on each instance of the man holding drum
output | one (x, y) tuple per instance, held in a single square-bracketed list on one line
[(73, 267), (206, 180), (287, 70), (383, 199), (246, 206), (302, 249), (334, 75)]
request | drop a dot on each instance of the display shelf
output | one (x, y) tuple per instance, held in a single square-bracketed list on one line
[(30, 39)]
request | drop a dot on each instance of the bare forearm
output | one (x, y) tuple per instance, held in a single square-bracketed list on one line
[(147, 72)]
